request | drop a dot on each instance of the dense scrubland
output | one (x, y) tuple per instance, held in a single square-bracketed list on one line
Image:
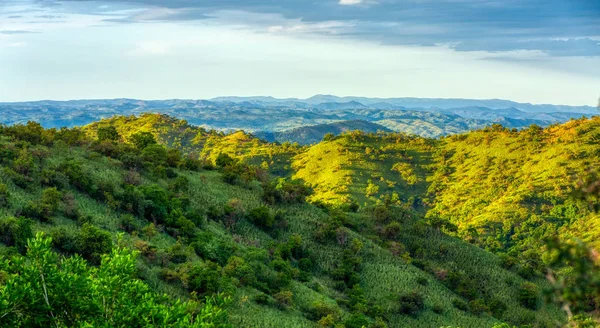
[(149, 221)]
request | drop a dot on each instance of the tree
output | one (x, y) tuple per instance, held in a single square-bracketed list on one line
[(529, 295), (141, 140), (44, 289), (412, 303), (328, 137), (108, 133), (262, 217), (439, 223), (92, 242), (224, 160), (372, 189)]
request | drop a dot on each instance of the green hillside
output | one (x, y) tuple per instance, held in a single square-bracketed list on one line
[(487, 182), (220, 226)]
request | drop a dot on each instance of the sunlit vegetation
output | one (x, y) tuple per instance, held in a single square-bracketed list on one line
[(362, 229)]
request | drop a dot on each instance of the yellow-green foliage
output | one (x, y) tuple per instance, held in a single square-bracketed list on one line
[(205, 144), (487, 177), (365, 167)]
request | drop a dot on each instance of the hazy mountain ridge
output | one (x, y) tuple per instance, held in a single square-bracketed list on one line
[(424, 117), (315, 133)]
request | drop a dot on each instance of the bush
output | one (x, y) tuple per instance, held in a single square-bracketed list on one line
[(70, 206), (15, 232), (4, 195), (305, 264), (412, 303), (263, 299), (356, 320), (438, 309), (240, 270), (478, 307), (529, 295), (46, 207), (178, 253), (108, 133), (92, 242), (63, 240), (141, 140), (285, 191), (422, 281), (205, 278), (285, 299), (497, 307), (154, 156), (262, 217), (460, 304), (392, 230), (319, 310), (224, 160)]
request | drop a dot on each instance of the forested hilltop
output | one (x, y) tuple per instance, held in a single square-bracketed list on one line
[(150, 221)]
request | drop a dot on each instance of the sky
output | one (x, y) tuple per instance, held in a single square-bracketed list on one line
[(537, 51)]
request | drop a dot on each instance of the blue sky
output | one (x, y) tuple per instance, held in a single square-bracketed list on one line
[(530, 51)]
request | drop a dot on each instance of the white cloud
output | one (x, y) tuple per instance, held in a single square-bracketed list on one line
[(350, 2)]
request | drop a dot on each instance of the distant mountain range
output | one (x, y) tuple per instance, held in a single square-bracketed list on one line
[(410, 103), (315, 133), (305, 120)]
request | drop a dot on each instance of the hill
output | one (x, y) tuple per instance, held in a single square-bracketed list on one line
[(314, 133), (204, 226)]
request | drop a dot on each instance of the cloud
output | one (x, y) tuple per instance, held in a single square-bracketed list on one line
[(464, 25), (11, 32), (350, 2)]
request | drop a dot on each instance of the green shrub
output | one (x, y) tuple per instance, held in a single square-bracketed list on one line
[(178, 253), (439, 309), (108, 133), (422, 281), (262, 217), (412, 304), (4, 195), (285, 299), (305, 264), (224, 160), (64, 240), (141, 140), (356, 320), (392, 230), (239, 269), (529, 295), (319, 309), (15, 232), (478, 307), (205, 278), (92, 242), (460, 304), (129, 223), (497, 308), (263, 299)]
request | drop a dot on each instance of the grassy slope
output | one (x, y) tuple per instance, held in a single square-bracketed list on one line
[(493, 176), (384, 277)]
